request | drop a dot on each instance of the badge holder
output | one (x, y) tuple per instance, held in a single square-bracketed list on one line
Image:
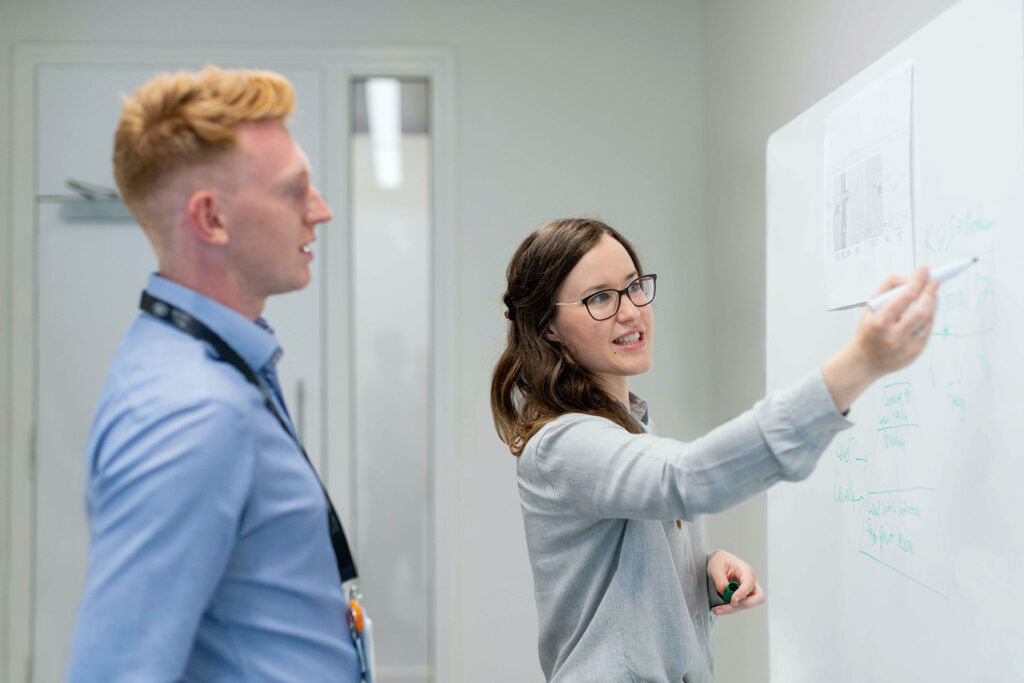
[(361, 627)]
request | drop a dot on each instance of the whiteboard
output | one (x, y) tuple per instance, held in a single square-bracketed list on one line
[(900, 558)]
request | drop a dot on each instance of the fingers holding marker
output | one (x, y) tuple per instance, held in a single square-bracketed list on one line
[(735, 581), (727, 593), (740, 596), (897, 325), (904, 296), (886, 293), (753, 599), (891, 281), (747, 580), (919, 319)]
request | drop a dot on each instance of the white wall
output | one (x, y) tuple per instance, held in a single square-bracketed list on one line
[(5, 334), (765, 62), (561, 108)]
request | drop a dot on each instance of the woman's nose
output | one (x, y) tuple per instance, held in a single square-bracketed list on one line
[(627, 309)]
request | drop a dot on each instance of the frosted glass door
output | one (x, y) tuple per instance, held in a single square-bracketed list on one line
[(392, 326)]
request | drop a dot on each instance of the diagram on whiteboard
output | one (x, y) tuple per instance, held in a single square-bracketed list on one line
[(871, 196), (868, 208)]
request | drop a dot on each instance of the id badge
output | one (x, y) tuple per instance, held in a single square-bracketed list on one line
[(361, 627), (366, 638)]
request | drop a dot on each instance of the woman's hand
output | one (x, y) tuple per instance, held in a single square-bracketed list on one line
[(886, 340), (724, 567)]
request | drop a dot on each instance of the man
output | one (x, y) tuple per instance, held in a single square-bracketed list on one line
[(211, 558)]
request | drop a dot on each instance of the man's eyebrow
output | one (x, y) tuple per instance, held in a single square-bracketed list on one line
[(297, 175)]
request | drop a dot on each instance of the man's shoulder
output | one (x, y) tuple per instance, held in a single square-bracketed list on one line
[(158, 368), (166, 397)]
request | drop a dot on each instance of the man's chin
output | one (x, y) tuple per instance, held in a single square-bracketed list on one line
[(293, 286), (301, 282)]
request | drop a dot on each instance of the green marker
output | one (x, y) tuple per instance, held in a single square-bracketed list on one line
[(729, 590)]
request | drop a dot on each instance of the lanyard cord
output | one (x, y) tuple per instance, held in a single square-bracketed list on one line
[(186, 323)]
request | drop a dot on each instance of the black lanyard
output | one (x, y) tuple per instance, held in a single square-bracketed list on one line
[(189, 325)]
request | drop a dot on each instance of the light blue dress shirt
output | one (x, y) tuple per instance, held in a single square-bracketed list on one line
[(210, 558)]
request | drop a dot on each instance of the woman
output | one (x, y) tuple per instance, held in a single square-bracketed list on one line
[(624, 589)]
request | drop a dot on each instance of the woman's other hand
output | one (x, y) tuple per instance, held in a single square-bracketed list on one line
[(724, 567), (886, 340)]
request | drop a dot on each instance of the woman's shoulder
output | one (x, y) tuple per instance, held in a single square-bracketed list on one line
[(574, 431)]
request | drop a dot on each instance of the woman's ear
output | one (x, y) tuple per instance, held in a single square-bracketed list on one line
[(550, 334)]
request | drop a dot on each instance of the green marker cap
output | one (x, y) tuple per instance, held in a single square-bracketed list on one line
[(729, 590)]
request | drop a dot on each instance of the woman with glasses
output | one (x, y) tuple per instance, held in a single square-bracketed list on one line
[(623, 586)]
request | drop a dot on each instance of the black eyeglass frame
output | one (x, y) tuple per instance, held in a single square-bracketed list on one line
[(586, 300)]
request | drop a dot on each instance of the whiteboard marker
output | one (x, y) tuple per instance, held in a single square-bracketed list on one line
[(941, 274)]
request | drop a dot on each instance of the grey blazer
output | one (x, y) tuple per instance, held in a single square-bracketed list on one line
[(622, 593)]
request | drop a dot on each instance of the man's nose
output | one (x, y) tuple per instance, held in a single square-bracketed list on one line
[(319, 212)]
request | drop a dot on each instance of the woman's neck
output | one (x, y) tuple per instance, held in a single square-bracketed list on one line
[(618, 388)]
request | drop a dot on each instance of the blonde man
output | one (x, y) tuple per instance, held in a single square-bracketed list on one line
[(211, 558)]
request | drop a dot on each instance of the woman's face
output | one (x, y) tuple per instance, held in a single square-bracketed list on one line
[(618, 347)]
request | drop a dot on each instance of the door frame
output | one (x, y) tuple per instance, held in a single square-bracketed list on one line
[(18, 404)]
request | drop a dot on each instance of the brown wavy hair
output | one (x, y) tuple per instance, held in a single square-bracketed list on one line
[(536, 378)]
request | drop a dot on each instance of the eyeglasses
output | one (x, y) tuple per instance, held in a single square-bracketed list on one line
[(605, 304)]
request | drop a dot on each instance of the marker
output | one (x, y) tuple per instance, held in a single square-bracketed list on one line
[(729, 590), (941, 274)]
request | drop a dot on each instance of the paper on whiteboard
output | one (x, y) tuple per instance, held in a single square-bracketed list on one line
[(868, 215)]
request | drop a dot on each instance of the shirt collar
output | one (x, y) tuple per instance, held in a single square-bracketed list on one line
[(638, 408), (255, 342)]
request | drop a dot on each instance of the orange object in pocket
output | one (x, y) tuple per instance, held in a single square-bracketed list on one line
[(355, 616)]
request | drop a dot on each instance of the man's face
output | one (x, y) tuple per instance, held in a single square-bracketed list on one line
[(270, 210)]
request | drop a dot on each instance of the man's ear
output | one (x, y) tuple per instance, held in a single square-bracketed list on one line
[(204, 217)]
